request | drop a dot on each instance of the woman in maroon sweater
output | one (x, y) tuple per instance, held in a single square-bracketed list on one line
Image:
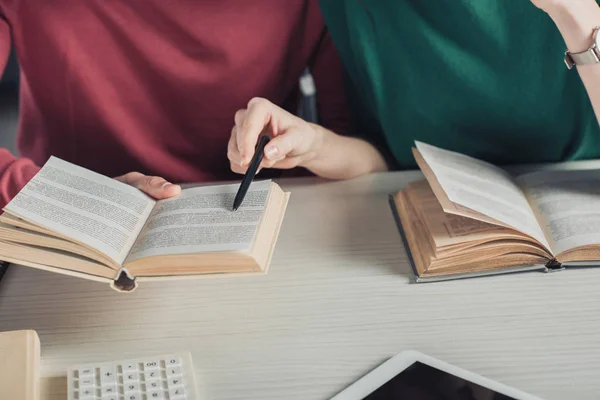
[(152, 86)]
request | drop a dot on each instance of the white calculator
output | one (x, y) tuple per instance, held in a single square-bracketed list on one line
[(167, 377)]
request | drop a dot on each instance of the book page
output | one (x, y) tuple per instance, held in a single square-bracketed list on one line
[(88, 207), (567, 204), (448, 206), (484, 188), (201, 220), (447, 230)]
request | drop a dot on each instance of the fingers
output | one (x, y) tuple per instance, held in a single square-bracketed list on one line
[(289, 162), (237, 168), (239, 117), (233, 154), (250, 123), (280, 146), (280, 163), (284, 152), (154, 186), (273, 154)]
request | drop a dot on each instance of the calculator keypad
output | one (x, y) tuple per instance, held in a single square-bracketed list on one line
[(152, 379)]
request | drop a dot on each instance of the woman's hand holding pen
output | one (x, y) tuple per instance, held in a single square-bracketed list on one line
[(297, 143), (294, 142)]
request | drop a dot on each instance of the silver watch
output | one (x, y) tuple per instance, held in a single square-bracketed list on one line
[(590, 56)]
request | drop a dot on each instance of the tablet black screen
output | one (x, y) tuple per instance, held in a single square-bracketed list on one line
[(423, 382)]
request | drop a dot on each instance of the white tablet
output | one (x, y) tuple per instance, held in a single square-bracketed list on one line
[(414, 376)]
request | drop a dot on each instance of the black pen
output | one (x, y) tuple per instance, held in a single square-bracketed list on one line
[(251, 172)]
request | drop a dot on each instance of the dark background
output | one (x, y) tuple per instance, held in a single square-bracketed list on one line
[(9, 100)]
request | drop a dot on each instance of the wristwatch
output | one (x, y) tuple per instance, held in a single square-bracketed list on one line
[(590, 56)]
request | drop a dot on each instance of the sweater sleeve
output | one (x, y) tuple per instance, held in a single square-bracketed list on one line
[(14, 172)]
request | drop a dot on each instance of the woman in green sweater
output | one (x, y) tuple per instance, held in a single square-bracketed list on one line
[(482, 77)]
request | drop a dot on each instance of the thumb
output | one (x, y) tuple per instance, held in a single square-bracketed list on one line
[(153, 186)]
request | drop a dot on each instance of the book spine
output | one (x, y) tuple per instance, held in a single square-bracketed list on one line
[(124, 282), (554, 265)]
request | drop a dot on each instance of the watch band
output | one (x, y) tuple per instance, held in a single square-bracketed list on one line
[(590, 56)]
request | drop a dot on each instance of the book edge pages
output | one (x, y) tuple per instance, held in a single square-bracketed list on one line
[(419, 279), (162, 278), (109, 262), (6, 235), (61, 271), (481, 274), (286, 198)]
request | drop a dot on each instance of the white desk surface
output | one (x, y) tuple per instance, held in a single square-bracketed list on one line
[(337, 301)]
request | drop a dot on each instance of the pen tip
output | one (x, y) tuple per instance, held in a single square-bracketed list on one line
[(234, 208)]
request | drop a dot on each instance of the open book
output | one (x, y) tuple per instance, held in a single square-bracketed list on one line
[(470, 218), (70, 220)]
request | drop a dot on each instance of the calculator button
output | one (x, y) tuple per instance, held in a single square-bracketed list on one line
[(87, 394), (131, 377), (110, 390), (109, 397), (151, 365), (131, 387), (86, 371), (88, 382), (108, 375), (152, 375), (174, 371), (175, 382), (133, 396), (154, 385), (176, 393), (156, 395), (129, 367), (173, 362)]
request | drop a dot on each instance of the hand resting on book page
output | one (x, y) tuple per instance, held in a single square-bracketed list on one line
[(154, 186)]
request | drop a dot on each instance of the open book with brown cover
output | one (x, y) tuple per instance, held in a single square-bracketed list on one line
[(73, 221), (470, 218)]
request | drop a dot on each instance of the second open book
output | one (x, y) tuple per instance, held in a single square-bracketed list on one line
[(470, 218), (73, 221)]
